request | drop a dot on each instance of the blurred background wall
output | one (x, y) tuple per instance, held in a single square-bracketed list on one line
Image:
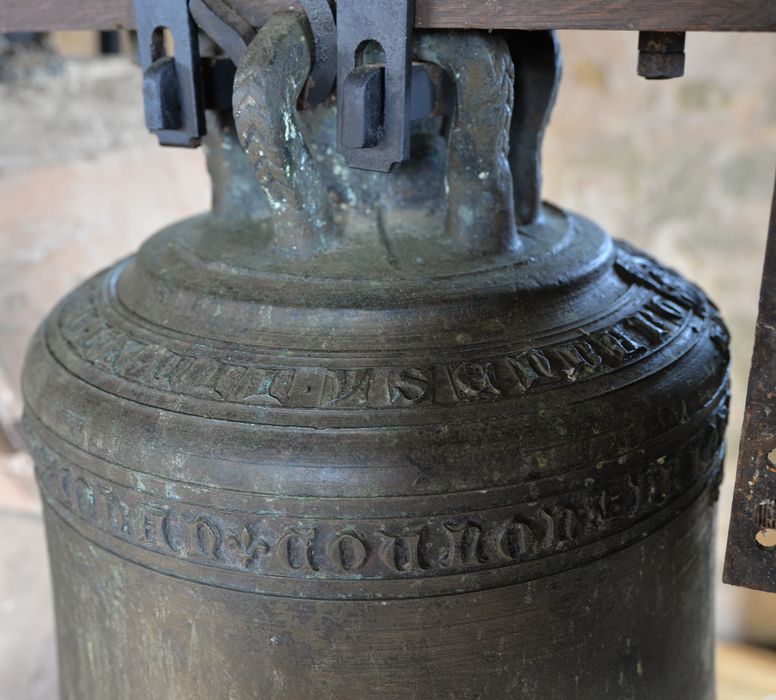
[(683, 169)]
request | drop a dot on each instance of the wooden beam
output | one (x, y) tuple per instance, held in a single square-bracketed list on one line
[(55, 15), (675, 15)]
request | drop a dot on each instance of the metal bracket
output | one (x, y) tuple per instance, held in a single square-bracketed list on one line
[(750, 560), (374, 81), (171, 84)]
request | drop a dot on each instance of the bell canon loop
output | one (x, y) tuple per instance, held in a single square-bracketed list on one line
[(390, 435)]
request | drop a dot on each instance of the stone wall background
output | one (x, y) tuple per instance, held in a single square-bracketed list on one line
[(683, 169)]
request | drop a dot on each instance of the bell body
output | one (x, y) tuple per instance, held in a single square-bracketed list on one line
[(388, 468), (503, 495)]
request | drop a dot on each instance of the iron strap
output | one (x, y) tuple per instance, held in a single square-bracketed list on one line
[(750, 560)]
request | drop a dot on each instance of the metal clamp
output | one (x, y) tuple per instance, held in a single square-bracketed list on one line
[(374, 89), (171, 84), (368, 50)]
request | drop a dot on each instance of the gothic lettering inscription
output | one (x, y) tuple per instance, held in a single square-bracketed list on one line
[(278, 545), (114, 350)]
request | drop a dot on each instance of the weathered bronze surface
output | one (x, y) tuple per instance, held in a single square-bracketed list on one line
[(357, 434)]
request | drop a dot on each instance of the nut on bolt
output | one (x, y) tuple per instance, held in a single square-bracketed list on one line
[(661, 55)]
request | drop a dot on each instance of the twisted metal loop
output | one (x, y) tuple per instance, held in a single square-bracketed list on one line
[(267, 87), (480, 202)]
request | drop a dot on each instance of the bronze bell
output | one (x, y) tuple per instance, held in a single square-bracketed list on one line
[(381, 435)]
